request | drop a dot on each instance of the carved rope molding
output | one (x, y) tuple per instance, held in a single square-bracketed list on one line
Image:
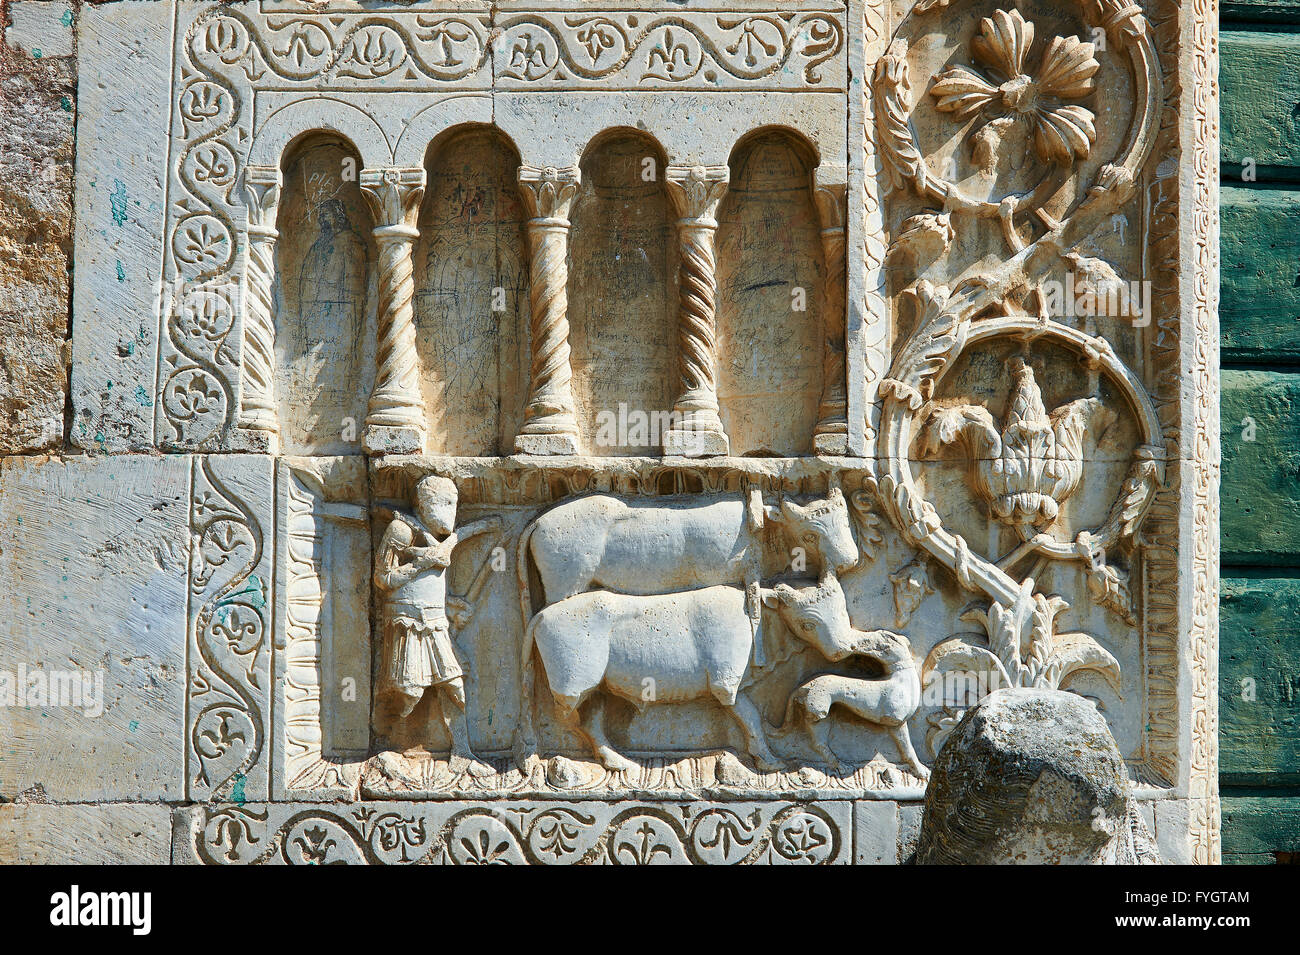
[(257, 407), (696, 192), (875, 306), (550, 425), (395, 421), (830, 435), (1201, 344)]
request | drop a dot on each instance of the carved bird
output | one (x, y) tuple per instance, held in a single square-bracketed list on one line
[(1030, 463)]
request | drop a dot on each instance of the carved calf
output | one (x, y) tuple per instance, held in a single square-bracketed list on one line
[(667, 648)]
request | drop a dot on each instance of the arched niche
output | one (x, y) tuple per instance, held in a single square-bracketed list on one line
[(471, 294), (770, 270), (324, 298), (623, 296)]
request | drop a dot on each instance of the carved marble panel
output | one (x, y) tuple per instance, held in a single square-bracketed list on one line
[(638, 432), (514, 833)]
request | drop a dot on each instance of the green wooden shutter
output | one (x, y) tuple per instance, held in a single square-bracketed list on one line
[(1259, 615)]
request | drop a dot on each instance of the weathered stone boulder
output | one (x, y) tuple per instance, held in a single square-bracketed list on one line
[(1032, 777)]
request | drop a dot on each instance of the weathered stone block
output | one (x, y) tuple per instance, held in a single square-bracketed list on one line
[(121, 200), (95, 552), (36, 150), (108, 834), (1033, 777)]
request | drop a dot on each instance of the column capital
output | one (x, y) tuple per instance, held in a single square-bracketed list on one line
[(549, 191), (393, 194), (831, 192), (262, 193), (696, 191)]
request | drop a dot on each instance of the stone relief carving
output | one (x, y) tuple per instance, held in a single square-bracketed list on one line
[(537, 833), (228, 683), (419, 614), (570, 623)]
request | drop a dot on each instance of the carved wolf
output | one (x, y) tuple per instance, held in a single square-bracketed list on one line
[(669, 648)]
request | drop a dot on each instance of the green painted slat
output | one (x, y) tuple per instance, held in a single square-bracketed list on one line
[(1255, 827), (1260, 494), (1259, 301), (1259, 75), (1259, 681), (1268, 11)]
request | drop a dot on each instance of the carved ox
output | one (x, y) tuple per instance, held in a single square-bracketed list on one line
[(670, 648), (659, 546)]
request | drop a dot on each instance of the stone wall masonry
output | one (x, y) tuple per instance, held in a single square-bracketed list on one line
[(571, 433)]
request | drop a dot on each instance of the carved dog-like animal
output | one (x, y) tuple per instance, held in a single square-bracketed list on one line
[(667, 648), (889, 701)]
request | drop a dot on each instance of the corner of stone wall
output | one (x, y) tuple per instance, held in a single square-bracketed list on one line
[(37, 113)]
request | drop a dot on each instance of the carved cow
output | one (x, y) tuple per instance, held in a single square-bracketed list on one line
[(668, 648), (659, 546)]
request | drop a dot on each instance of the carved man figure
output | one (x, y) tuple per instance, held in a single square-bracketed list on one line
[(411, 572)]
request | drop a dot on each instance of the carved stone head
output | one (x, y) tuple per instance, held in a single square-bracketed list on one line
[(823, 527), (435, 503), (818, 615)]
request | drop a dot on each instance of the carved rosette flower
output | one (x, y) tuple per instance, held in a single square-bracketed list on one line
[(1063, 132)]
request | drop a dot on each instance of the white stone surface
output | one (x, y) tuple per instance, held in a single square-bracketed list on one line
[(273, 256), (875, 832), (122, 107), (40, 28), (95, 552), (106, 834)]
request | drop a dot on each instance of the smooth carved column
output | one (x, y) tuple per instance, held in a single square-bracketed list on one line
[(696, 192), (258, 414), (550, 425), (831, 435), (395, 421)]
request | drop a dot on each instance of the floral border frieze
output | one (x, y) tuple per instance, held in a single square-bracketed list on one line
[(777, 50), (533, 833), (229, 627), (668, 49)]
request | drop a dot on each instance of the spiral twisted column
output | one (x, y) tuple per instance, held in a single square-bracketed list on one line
[(696, 192), (831, 433), (395, 420), (550, 425), (258, 420)]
